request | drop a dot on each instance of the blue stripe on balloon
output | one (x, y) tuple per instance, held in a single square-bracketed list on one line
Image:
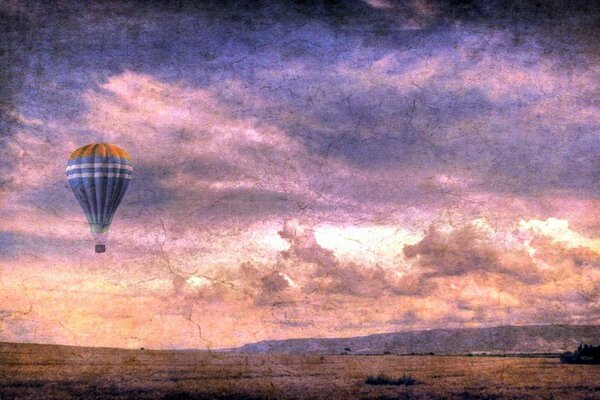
[(105, 169), (110, 194), (120, 189), (79, 191)]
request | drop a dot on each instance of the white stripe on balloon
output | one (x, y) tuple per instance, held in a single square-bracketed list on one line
[(99, 165), (100, 175)]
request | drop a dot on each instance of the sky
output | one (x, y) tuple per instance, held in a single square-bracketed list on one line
[(301, 169)]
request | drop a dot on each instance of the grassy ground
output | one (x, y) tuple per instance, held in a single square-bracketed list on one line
[(53, 372)]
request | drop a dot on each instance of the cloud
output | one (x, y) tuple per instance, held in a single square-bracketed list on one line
[(192, 147), (327, 275), (274, 282), (266, 285), (379, 3), (29, 246), (453, 114), (467, 250), (304, 247), (510, 275), (7, 244)]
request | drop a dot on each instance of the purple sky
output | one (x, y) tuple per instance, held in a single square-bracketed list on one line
[(315, 169)]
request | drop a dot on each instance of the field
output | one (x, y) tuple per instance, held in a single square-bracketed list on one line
[(56, 372)]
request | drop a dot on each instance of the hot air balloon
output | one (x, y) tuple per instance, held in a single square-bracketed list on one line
[(99, 174)]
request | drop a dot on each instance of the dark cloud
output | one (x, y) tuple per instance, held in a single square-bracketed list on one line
[(405, 318), (266, 287), (559, 25), (16, 36), (15, 39), (468, 250), (29, 246), (155, 192), (8, 244), (288, 55), (462, 251), (274, 282)]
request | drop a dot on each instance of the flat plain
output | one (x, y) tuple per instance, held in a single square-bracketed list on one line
[(59, 372)]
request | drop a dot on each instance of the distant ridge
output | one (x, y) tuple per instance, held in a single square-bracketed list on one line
[(509, 339), (528, 339)]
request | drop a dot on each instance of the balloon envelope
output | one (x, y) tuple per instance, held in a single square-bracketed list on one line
[(99, 174)]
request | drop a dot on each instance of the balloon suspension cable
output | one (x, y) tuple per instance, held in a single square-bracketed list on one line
[(100, 237)]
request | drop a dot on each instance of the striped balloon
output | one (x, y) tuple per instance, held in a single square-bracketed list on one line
[(99, 175)]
